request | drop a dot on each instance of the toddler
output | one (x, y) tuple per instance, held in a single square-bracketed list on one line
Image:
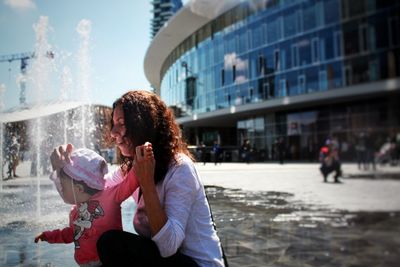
[(96, 208)]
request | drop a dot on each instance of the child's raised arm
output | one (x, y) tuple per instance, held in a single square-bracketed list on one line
[(143, 169)]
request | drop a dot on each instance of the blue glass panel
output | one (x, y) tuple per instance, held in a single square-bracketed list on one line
[(309, 17), (331, 11), (334, 74), (290, 23), (304, 51), (256, 35), (273, 29), (312, 82)]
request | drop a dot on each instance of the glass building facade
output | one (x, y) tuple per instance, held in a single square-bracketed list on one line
[(289, 51)]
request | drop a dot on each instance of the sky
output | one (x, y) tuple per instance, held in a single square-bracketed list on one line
[(118, 40)]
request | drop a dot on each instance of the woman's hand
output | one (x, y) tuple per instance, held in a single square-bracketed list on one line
[(61, 156), (144, 165)]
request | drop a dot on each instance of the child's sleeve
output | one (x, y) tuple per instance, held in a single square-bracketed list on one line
[(126, 188), (60, 235), (114, 178), (65, 235)]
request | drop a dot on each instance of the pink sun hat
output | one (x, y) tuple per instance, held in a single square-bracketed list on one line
[(87, 166)]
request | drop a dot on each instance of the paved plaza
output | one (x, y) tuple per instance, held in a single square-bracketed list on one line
[(359, 191), (267, 214)]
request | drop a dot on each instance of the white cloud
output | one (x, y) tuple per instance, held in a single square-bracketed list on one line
[(240, 79), (20, 4), (232, 59)]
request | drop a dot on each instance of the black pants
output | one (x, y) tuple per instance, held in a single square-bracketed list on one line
[(118, 248), (334, 167)]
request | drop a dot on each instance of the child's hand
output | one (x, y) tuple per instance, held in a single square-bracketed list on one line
[(40, 237), (61, 156)]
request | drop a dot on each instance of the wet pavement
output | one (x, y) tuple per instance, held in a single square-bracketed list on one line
[(266, 215), (271, 229)]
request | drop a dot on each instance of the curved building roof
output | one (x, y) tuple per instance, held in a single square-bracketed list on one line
[(39, 110), (190, 18)]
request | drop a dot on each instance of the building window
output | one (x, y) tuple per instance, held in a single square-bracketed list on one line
[(302, 83), (234, 73), (394, 29), (319, 13), (276, 60), (274, 31), (371, 38), (345, 8), (257, 35), (295, 55), (363, 37), (266, 89), (261, 65), (304, 52), (337, 43), (347, 75), (290, 24), (300, 20), (331, 11), (222, 77), (315, 49), (374, 70), (282, 88), (283, 59), (309, 17), (323, 81), (351, 38)]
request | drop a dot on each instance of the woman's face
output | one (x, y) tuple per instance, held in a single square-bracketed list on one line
[(118, 132)]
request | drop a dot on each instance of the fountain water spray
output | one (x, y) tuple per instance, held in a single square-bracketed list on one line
[(65, 89), (39, 75), (84, 28), (2, 90)]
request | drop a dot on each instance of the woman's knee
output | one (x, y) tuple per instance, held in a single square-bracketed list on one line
[(108, 239)]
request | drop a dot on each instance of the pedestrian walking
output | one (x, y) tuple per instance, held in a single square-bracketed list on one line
[(217, 152), (245, 151), (280, 147), (13, 157)]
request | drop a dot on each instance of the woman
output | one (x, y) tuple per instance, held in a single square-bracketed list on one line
[(172, 218)]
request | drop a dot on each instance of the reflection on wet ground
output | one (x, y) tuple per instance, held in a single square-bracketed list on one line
[(256, 229), (20, 221), (270, 229)]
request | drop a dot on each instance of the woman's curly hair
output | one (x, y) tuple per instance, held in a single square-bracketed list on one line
[(148, 119)]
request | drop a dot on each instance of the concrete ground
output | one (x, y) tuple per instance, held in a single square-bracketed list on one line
[(359, 190), (315, 224)]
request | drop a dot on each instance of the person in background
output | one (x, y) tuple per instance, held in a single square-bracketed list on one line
[(203, 153), (13, 157), (329, 158), (246, 151), (216, 149), (280, 149)]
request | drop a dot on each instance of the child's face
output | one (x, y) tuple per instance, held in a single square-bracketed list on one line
[(69, 189)]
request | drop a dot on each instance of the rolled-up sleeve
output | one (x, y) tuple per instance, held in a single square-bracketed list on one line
[(180, 193)]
